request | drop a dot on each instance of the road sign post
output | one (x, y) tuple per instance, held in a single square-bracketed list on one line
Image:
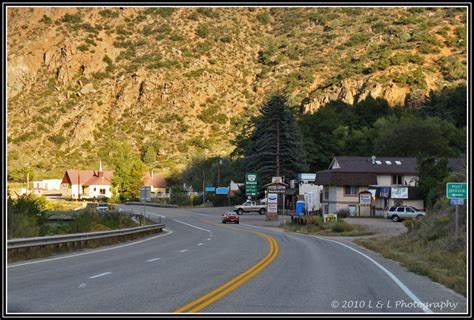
[(145, 195), (251, 184), (457, 192)]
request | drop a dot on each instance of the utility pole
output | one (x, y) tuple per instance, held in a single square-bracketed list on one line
[(278, 151), (78, 186), (218, 171), (203, 189)]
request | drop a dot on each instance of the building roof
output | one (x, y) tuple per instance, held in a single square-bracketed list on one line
[(99, 180), (85, 177), (364, 170), (386, 165), (154, 180)]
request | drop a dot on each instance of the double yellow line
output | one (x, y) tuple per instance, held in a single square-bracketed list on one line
[(233, 284)]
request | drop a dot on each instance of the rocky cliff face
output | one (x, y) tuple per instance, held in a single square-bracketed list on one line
[(184, 78)]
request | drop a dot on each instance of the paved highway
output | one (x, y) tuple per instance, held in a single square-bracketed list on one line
[(201, 265)]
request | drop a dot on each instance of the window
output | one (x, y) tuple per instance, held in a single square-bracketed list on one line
[(102, 191), (410, 210), (351, 190), (95, 189), (396, 179), (326, 194), (401, 209)]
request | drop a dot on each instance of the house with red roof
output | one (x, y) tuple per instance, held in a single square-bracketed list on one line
[(92, 184), (156, 182), (87, 184)]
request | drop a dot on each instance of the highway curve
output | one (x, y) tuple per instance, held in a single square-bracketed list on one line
[(202, 265)]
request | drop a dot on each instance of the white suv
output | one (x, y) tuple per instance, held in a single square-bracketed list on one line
[(403, 212)]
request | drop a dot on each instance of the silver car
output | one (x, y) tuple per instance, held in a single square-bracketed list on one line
[(404, 212)]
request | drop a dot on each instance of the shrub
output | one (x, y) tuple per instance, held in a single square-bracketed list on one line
[(83, 47), (452, 68), (108, 13), (341, 227), (57, 139), (263, 17), (46, 20), (203, 30), (71, 18), (343, 213)]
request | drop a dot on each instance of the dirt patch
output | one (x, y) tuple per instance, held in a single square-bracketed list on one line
[(379, 226)]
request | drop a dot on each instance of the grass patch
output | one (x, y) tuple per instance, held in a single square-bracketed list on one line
[(315, 225)]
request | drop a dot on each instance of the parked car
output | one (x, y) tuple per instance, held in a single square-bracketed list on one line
[(250, 206), (102, 207), (230, 217), (403, 212)]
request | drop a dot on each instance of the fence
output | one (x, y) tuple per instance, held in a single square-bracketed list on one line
[(38, 246)]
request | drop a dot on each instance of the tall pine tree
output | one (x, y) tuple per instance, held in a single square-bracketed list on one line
[(275, 147)]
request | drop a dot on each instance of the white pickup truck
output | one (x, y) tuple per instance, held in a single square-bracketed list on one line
[(250, 206)]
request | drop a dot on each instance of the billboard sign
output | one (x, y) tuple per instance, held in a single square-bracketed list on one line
[(272, 204), (399, 192)]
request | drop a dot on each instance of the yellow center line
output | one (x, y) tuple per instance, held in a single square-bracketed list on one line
[(236, 282)]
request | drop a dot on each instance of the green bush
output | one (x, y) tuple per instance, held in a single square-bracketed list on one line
[(46, 20), (57, 139), (263, 17), (108, 13), (72, 18), (203, 30), (452, 68)]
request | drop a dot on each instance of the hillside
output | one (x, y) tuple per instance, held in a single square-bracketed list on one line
[(184, 80)]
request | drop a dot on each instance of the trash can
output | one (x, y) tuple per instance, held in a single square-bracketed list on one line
[(299, 208)]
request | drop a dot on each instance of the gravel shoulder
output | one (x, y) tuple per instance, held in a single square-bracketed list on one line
[(379, 226)]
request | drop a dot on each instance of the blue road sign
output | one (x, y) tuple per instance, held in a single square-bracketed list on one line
[(222, 190), (457, 201)]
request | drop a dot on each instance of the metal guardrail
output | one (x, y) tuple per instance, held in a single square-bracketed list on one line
[(77, 237), (151, 204)]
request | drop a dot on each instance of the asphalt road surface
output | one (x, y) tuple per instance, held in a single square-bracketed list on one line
[(200, 265)]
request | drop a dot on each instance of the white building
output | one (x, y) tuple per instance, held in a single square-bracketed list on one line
[(87, 184), (391, 181)]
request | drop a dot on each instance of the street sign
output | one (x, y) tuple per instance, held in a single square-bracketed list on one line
[(251, 178), (222, 190), (365, 198), (145, 193), (251, 184), (277, 188), (456, 190), (457, 202), (210, 189)]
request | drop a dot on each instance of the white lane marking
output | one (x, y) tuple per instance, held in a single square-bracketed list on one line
[(208, 239), (391, 275), (81, 254), (82, 285), (190, 225), (100, 275), (200, 244), (183, 250), (151, 260)]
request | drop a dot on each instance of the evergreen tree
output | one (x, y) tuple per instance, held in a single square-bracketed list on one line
[(276, 145)]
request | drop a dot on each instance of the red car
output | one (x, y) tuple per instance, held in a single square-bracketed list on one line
[(230, 217)]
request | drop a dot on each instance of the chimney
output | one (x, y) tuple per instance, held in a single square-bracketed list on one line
[(101, 173), (373, 159)]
